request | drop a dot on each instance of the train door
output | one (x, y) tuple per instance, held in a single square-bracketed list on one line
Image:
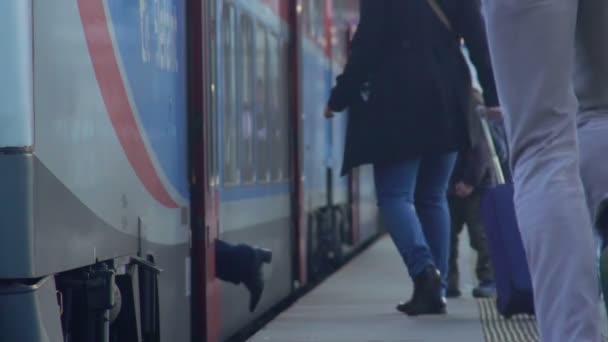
[(308, 65), (354, 198), (299, 210), (343, 196), (204, 169)]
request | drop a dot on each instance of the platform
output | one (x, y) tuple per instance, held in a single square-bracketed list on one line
[(357, 305)]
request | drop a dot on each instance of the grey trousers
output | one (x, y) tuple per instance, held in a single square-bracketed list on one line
[(551, 63)]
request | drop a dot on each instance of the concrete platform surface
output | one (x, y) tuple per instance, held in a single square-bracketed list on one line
[(357, 304)]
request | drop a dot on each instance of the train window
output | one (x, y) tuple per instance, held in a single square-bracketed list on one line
[(278, 112), (247, 82), (315, 15), (309, 15), (339, 44), (229, 111), (284, 110), (274, 110), (261, 106)]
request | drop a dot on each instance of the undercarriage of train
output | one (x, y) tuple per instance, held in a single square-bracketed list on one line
[(112, 301)]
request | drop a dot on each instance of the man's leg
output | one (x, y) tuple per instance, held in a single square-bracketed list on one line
[(532, 45), (229, 265), (242, 264), (479, 243), (456, 216), (591, 84)]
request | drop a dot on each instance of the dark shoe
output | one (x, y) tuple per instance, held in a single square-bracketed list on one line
[(485, 290), (255, 282), (427, 299), (453, 292)]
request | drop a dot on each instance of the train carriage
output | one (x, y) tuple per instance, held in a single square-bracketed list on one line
[(98, 178), (136, 133)]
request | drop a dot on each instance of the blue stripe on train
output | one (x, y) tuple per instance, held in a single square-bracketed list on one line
[(151, 41)]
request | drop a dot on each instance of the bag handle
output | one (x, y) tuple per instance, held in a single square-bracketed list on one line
[(496, 165), (440, 13)]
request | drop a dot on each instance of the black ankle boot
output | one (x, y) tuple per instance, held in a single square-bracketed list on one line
[(255, 281), (427, 298)]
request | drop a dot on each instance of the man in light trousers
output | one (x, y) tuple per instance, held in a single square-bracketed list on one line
[(551, 65)]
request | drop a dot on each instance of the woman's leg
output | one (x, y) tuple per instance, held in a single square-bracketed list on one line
[(432, 206), (395, 186)]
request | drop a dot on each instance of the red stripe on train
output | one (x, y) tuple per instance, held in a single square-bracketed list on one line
[(101, 49)]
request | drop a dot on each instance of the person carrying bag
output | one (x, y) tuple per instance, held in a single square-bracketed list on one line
[(410, 123)]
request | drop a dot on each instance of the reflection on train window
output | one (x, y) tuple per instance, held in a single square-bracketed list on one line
[(311, 17), (275, 112), (261, 106), (315, 15), (339, 44), (247, 82), (229, 117), (284, 111)]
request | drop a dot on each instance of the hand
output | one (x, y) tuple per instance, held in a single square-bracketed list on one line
[(494, 113), (463, 190), (328, 113)]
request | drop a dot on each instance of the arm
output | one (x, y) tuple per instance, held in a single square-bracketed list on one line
[(459, 170), (364, 53), (469, 24), (477, 162), (475, 167)]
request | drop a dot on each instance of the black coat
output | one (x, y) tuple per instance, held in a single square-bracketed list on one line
[(418, 80)]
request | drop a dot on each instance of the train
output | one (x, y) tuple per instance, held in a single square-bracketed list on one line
[(134, 134)]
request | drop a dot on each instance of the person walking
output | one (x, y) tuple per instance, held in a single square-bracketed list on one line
[(407, 87), (471, 177), (551, 65)]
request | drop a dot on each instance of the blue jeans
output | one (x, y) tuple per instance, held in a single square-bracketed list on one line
[(412, 197)]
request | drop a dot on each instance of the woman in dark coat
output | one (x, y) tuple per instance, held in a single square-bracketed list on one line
[(407, 87)]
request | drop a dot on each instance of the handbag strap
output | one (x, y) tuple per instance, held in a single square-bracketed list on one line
[(440, 14), (496, 165)]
